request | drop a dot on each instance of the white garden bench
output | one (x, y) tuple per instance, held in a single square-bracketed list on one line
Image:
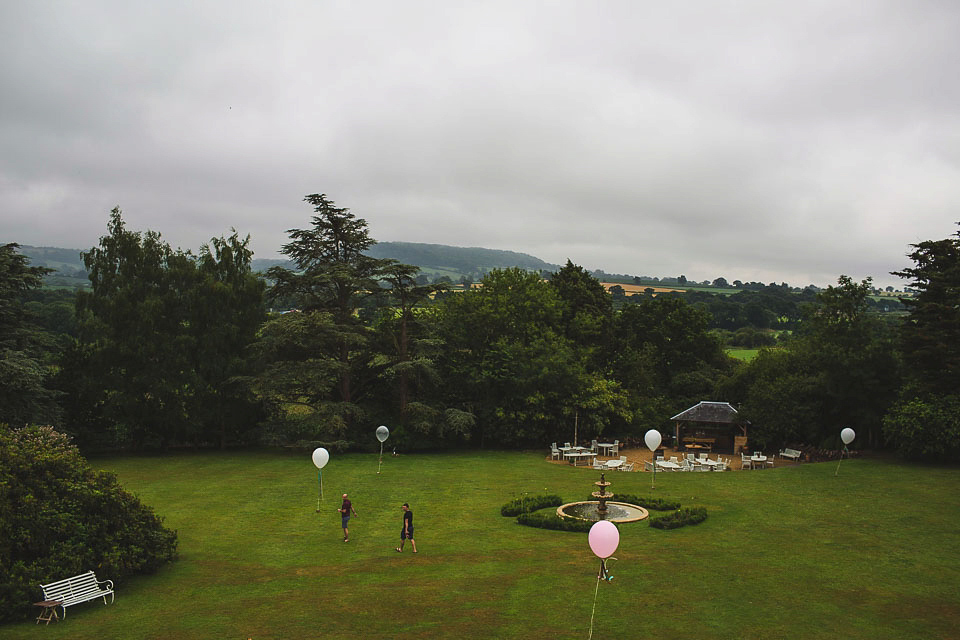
[(793, 454), (71, 591)]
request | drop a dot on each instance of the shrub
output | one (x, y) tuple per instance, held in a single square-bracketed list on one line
[(680, 518), (550, 520), (527, 504), (59, 518), (925, 428)]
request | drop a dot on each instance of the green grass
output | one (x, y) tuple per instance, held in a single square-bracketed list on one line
[(797, 551), (743, 354)]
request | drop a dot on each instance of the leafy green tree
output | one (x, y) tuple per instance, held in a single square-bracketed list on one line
[(780, 395), (25, 395), (839, 370), (508, 362), (226, 310), (665, 358), (136, 314), (163, 338), (587, 314), (59, 517)]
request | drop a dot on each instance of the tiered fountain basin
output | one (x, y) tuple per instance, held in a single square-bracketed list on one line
[(602, 508), (616, 511)]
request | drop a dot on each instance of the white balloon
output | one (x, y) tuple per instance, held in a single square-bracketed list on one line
[(653, 439), (847, 435), (382, 433), (320, 457)]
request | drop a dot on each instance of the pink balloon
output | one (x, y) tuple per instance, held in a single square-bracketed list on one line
[(604, 538)]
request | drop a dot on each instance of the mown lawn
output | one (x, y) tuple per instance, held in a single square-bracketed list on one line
[(743, 354), (798, 552)]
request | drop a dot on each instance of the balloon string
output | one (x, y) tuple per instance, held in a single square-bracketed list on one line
[(595, 600), (841, 460)]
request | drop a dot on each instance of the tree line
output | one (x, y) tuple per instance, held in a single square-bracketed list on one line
[(167, 348)]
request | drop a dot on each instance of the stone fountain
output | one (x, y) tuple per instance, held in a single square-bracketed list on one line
[(602, 496), (602, 508)]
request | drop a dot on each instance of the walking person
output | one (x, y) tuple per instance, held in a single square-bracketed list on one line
[(406, 533), (345, 510)]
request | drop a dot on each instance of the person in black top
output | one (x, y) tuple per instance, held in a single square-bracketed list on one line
[(345, 510), (407, 532)]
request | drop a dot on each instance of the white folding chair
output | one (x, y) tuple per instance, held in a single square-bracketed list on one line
[(745, 462)]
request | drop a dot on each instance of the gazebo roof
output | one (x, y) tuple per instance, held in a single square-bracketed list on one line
[(716, 412)]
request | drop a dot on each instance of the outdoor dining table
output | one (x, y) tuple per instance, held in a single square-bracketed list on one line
[(605, 447), (758, 460), (575, 456), (666, 464), (613, 464), (707, 461)]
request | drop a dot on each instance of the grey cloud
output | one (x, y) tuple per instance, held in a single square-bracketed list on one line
[(752, 140)]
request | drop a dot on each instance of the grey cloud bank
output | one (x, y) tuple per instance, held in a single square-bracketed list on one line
[(750, 140)]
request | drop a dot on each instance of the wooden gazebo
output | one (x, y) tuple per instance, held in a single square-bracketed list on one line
[(711, 426)]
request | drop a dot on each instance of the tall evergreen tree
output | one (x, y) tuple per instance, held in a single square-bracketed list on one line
[(407, 362), (924, 422), (930, 337), (332, 276)]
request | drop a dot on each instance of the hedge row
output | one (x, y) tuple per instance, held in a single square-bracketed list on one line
[(528, 513), (550, 520), (681, 518), (527, 504), (657, 504)]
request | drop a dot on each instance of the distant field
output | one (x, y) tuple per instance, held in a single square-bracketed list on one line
[(743, 354), (631, 289)]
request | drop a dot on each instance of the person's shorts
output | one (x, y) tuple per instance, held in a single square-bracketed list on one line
[(406, 536), (344, 520)]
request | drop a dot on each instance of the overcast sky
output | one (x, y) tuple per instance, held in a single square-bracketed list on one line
[(755, 139)]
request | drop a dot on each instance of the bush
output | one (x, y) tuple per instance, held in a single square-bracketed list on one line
[(680, 518), (527, 504), (927, 428), (550, 520), (59, 518)]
